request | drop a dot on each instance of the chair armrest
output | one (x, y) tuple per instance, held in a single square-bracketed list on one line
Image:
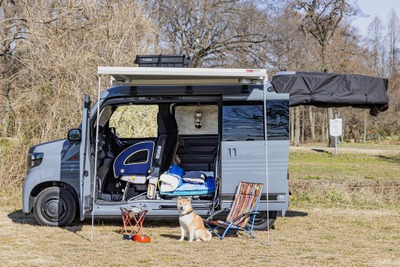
[(247, 214), (216, 213), (250, 213)]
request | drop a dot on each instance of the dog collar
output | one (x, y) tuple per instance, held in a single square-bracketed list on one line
[(188, 213)]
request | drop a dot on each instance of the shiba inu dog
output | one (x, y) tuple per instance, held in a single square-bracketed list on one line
[(191, 224)]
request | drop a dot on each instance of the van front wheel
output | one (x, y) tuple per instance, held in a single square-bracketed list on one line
[(54, 206), (264, 222)]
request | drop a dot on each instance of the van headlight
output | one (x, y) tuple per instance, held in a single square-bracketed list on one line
[(34, 159)]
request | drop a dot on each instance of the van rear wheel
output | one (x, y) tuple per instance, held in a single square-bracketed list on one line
[(54, 206), (261, 221)]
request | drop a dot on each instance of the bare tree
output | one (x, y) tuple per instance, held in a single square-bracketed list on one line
[(64, 43), (11, 34), (375, 57), (394, 49), (212, 33), (289, 49), (321, 19), (375, 41)]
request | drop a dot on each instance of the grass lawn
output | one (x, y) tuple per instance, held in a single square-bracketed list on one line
[(344, 212), (355, 179)]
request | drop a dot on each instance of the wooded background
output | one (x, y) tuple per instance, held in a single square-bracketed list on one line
[(50, 50)]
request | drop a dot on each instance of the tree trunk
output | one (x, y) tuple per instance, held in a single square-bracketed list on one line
[(7, 105), (312, 123), (323, 125), (302, 124), (324, 67), (7, 108), (329, 113), (297, 127), (365, 127), (292, 125)]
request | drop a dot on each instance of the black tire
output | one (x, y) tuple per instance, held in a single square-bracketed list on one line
[(54, 206), (262, 223)]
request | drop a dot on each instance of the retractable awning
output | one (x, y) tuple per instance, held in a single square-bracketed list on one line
[(333, 90), (170, 76)]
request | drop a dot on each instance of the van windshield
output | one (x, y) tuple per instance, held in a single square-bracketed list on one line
[(135, 121)]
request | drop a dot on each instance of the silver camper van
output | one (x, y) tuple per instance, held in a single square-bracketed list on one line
[(215, 127)]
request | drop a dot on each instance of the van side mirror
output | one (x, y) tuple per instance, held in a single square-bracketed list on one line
[(74, 135)]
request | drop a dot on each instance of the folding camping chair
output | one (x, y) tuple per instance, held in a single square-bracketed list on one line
[(242, 213)]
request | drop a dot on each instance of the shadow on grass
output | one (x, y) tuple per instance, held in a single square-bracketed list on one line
[(391, 158), (149, 222), (295, 213), (176, 237), (19, 217), (321, 151)]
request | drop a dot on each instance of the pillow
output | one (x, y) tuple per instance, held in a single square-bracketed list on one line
[(169, 182), (194, 177)]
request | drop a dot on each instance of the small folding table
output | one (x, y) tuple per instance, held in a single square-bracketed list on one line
[(132, 218)]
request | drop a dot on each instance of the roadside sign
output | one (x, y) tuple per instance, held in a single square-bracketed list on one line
[(335, 127)]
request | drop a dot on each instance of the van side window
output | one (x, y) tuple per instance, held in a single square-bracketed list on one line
[(243, 122), (278, 119), (135, 121)]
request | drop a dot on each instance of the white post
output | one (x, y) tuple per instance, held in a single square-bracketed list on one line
[(266, 151)]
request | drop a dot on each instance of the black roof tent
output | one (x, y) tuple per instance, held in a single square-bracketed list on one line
[(333, 90)]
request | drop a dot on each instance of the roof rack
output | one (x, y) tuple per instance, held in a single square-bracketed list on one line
[(170, 61)]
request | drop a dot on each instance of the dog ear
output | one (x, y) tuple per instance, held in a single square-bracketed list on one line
[(179, 198), (190, 199)]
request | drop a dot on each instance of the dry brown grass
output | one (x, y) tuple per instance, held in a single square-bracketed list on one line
[(351, 218), (307, 236)]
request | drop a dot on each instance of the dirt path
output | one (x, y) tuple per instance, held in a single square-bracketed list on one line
[(346, 150)]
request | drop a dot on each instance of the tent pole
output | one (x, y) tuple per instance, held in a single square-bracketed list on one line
[(266, 150)]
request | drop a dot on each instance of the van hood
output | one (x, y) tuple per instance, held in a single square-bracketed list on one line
[(47, 145)]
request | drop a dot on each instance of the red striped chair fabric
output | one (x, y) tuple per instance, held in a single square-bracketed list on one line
[(243, 209)]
